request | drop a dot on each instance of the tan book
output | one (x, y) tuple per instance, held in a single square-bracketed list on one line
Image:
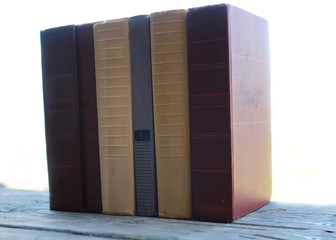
[(113, 80), (171, 116)]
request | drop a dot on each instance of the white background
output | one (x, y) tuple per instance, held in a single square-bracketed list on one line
[(303, 65)]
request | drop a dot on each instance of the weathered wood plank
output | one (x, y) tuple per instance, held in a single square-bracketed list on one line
[(293, 216), (28, 234), (29, 211)]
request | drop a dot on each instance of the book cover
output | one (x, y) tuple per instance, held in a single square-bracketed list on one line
[(250, 111), (143, 121), (229, 96), (61, 108), (88, 118), (114, 105), (171, 112)]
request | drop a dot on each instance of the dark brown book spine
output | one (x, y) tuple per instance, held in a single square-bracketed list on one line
[(88, 117), (210, 121), (60, 89)]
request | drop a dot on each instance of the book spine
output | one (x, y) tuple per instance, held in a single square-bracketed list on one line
[(88, 117), (171, 112), (143, 122), (114, 103), (61, 108), (210, 122)]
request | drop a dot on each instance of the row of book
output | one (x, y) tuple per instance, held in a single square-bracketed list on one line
[(163, 115)]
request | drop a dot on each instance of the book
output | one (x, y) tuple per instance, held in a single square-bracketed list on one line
[(61, 108), (171, 112), (114, 105), (143, 122), (88, 118), (230, 121)]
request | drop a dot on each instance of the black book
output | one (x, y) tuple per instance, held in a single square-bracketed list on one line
[(143, 123)]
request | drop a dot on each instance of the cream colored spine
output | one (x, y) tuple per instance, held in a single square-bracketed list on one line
[(171, 112), (113, 80)]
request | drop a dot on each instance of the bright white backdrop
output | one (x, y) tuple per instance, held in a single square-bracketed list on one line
[(303, 63)]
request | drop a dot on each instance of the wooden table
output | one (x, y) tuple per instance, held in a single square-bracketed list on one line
[(26, 215)]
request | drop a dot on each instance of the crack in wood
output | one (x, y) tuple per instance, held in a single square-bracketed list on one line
[(273, 210), (88, 234), (247, 237), (269, 237), (272, 226)]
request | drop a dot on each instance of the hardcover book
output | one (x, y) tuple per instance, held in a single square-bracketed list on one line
[(114, 105), (230, 121), (171, 112), (88, 118), (61, 108), (143, 123)]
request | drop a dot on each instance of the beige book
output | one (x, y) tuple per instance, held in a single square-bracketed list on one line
[(113, 81), (171, 114)]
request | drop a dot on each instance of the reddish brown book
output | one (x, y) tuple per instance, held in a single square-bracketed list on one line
[(88, 117), (60, 89), (229, 96)]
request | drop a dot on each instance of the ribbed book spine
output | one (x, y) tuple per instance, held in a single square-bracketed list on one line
[(88, 115), (171, 112), (143, 121), (61, 107), (210, 123), (113, 82)]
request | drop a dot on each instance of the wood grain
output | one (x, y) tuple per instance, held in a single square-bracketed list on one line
[(26, 214)]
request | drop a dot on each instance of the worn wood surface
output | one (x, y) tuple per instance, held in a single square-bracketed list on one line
[(26, 215)]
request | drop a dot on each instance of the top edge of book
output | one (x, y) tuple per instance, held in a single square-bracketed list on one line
[(229, 7), (157, 14), (119, 20), (169, 12)]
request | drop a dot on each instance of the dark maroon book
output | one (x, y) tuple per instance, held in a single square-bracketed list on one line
[(88, 118), (61, 107), (230, 121)]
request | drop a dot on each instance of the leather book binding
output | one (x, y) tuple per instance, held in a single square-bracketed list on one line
[(143, 122), (61, 107), (88, 118), (229, 96), (171, 112), (114, 105)]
